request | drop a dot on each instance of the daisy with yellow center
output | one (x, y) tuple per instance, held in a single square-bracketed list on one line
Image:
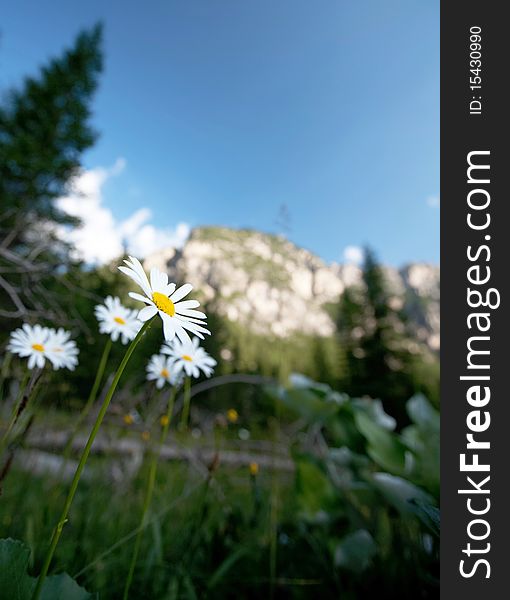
[(190, 358), (117, 320), (38, 344), (160, 369), (60, 350), (30, 342), (164, 299)]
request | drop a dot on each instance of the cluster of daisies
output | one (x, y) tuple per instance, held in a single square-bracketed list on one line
[(39, 344), (177, 359), (180, 355)]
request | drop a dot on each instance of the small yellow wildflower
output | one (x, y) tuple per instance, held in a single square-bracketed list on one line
[(128, 419), (254, 468), (232, 415), (146, 436), (164, 420)]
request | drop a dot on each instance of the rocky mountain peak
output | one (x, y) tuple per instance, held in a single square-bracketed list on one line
[(272, 286)]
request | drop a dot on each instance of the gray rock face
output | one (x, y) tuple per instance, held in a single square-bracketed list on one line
[(274, 287)]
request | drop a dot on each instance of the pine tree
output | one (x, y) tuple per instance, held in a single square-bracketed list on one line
[(375, 341), (44, 129)]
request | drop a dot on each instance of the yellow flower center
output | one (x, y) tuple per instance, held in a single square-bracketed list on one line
[(38, 347), (163, 303), (254, 468), (232, 415), (128, 419), (119, 320), (187, 357), (164, 373), (164, 420)]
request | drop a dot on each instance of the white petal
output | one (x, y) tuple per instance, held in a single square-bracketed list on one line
[(139, 297), (194, 328), (147, 313), (189, 313), (184, 290), (178, 366), (181, 333), (169, 289), (168, 326), (159, 280), (137, 269), (188, 304)]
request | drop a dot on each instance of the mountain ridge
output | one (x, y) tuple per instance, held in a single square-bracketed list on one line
[(272, 286)]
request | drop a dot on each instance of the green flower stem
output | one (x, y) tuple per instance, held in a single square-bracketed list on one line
[(90, 402), (81, 465), (148, 494), (97, 381), (186, 403), (15, 412)]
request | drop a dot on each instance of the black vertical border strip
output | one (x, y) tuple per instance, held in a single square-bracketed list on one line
[(460, 134)]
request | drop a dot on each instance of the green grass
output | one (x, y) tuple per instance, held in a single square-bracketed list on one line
[(201, 529), (215, 537)]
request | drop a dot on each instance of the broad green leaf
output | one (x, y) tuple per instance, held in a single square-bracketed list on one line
[(400, 492), (355, 551), (314, 490), (17, 584), (429, 515), (308, 404), (63, 587), (383, 447), (375, 410), (423, 413), (345, 457)]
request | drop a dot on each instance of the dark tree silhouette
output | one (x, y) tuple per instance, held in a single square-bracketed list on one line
[(375, 341), (44, 129)]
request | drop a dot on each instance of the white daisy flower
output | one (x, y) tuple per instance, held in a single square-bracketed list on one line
[(190, 357), (162, 370), (117, 320), (60, 350), (30, 341), (163, 298)]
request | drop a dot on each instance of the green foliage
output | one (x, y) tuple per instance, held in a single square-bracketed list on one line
[(380, 353), (356, 518), (362, 426), (44, 129), (16, 584), (355, 551), (357, 513), (382, 446)]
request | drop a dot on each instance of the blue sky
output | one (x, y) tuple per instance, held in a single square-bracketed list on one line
[(223, 110)]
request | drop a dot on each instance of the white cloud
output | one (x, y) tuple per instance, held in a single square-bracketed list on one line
[(433, 201), (354, 255), (101, 237)]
